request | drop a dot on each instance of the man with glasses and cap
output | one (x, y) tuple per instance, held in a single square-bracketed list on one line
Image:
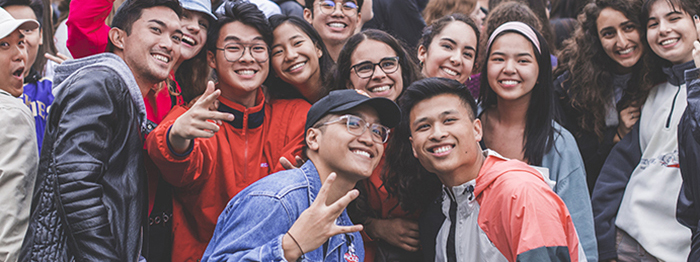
[(335, 21), (212, 150), (18, 155), (299, 214)]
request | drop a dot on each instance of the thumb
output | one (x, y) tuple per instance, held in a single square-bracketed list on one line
[(208, 99)]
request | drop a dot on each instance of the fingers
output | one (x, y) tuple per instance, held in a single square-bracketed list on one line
[(696, 52), (323, 192), (286, 164), (343, 202), (300, 161), (346, 229), (59, 59), (210, 95)]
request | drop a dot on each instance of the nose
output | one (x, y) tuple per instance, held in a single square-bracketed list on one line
[(509, 67), (664, 28), (438, 133), (455, 57), (378, 72), (192, 27), (366, 137), (291, 54), (622, 40), (338, 9), (246, 56)]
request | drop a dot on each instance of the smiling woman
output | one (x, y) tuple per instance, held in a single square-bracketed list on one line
[(300, 60)]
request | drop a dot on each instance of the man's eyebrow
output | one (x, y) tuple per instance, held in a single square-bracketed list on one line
[(160, 23)]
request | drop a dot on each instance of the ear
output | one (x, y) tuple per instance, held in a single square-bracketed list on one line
[(312, 139), (211, 59), (415, 154), (422, 53), (308, 16), (319, 52), (117, 37), (41, 36), (478, 131)]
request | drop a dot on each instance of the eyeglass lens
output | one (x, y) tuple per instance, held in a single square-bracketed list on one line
[(348, 8), (387, 64), (236, 51)]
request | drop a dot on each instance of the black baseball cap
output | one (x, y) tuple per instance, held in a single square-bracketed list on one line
[(342, 100)]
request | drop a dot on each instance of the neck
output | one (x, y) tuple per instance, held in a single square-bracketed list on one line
[(244, 98), (177, 64), (462, 174), (512, 112), (311, 89), (342, 185), (144, 86), (334, 51)]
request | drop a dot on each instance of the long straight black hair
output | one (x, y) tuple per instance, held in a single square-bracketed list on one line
[(539, 132)]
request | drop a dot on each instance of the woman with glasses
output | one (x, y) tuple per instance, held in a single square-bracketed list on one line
[(300, 60), (517, 108), (375, 63)]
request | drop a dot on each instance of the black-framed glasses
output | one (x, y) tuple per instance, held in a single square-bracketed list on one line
[(234, 51), (328, 7), (357, 126), (366, 69)]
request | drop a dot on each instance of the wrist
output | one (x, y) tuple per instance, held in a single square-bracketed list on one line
[(291, 248)]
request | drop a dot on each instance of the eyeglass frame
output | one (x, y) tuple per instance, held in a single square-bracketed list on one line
[(364, 127), (374, 66), (248, 46), (353, 14)]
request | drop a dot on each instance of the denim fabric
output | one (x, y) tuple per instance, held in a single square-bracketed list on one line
[(253, 223)]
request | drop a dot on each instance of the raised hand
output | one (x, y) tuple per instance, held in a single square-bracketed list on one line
[(59, 58), (317, 223), (628, 117), (696, 52), (398, 232), (202, 120)]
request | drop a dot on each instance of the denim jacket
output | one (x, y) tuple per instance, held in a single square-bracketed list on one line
[(253, 223)]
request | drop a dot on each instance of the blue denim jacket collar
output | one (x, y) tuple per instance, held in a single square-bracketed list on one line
[(337, 241)]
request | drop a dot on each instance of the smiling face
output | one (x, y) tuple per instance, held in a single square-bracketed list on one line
[(451, 53), (153, 46), (246, 74), (380, 84), (32, 38), (671, 33), (443, 136), (619, 37), (334, 28), (194, 28), (337, 150), (13, 55), (512, 67), (295, 56)]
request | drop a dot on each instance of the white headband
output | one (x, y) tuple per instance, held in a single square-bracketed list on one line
[(519, 27)]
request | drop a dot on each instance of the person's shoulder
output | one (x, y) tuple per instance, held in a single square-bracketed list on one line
[(13, 109), (284, 105), (563, 139), (510, 176)]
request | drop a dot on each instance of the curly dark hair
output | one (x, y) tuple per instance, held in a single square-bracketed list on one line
[(276, 87), (403, 175), (436, 9), (591, 70), (409, 68), (537, 7)]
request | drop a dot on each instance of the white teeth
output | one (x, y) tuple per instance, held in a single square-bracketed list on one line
[(245, 72), (509, 82), (670, 41), (337, 25), (188, 40), (161, 58), (362, 153), (449, 71), (626, 51), (379, 89), (297, 66), (441, 150)]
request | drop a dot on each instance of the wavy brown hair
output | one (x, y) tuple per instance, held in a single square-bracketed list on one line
[(591, 70), (436, 9)]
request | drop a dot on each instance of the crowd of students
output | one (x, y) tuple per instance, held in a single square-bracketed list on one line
[(350, 130)]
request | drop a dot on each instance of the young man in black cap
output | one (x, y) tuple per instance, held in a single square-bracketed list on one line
[(301, 212)]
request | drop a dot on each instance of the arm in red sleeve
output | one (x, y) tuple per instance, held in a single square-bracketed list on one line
[(293, 139), (180, 170), (87, 31)]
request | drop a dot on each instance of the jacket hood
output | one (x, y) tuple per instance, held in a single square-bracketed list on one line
[(108, 60), (674, 74), (496, 166)]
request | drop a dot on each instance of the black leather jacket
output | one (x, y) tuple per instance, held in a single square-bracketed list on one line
[(90, 200)]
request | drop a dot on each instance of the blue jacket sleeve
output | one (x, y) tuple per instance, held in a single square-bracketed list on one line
[(251, 229), (687, 212), (609, 189)]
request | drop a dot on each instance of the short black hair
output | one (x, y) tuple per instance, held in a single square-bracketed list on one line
[(36, 6), (310, 5), (431, 87), (131, 10), (244, 12)]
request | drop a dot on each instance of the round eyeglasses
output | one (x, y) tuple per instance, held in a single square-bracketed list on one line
[(366, 69), (235, 51), (348, 8), (357, 126)]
